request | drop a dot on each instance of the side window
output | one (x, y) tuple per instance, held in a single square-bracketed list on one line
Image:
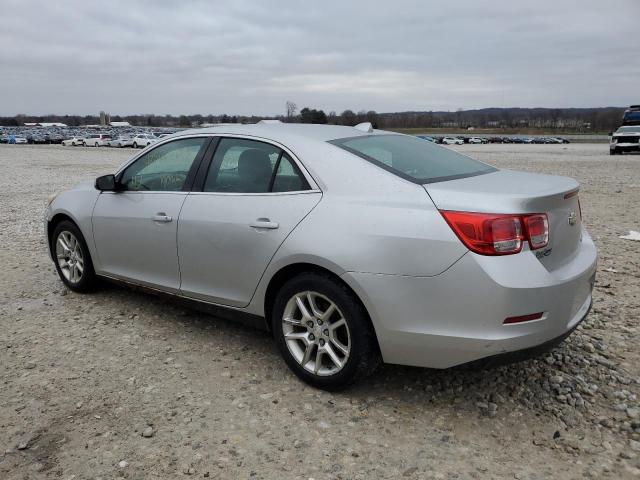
[(164, 168), (288, 178), (241, 166), (249, 166)]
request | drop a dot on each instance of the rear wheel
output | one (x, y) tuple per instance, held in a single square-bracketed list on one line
[(323, 332), (96, 144), (72, 258), (135, 145), (613, 151)]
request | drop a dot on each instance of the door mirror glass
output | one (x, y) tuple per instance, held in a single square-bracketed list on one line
[(106, 183)]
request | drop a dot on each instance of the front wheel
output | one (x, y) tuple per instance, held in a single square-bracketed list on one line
[(323, 332), (613, 151), (72, 258), (135, 145)]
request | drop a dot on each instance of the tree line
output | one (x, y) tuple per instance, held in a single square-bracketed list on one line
[(563, 119)]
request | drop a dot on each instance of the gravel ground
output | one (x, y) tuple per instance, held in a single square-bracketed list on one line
[(121, 384)]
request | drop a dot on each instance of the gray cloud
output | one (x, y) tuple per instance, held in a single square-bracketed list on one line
[(240, 56)]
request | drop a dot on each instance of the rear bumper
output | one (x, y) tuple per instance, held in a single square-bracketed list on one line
[(457, 317), (531, 352)]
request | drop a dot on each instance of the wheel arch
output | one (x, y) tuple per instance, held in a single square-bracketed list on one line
[(51, 225), (292, 270)]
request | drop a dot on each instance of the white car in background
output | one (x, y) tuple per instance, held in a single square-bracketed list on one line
[(72, 142), (21, 140), (144, 140), (121, 142), (625, 139), (97, 140), (475, 140), (452, 141)]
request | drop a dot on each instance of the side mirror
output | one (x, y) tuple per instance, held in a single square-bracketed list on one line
[(106, 183)]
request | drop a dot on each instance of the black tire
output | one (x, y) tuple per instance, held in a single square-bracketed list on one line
[(135, 145), (88, 280), (364, 354), (613, 151)]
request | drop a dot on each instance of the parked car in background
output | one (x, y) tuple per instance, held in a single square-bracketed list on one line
[(20, 140), (427, 138), (452, 141), (73, 142), (123, 141), (97, 140), (144, 140), (39, 139), (625, 139), (53, 138), (266, 223), (475, 140)]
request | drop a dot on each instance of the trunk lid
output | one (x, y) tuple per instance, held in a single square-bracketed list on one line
[(511, 192)]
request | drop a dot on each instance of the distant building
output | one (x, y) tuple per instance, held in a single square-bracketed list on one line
[(44, 124), (119, 124)]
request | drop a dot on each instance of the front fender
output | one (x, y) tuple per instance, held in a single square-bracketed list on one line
[(76, 204)]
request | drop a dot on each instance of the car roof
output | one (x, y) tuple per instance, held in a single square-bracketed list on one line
[(285, 132)]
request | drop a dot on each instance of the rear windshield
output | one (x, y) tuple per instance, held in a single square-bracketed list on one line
[(412, 158)]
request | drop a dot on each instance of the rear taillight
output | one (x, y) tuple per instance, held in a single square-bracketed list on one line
[(498, 234), (537, 230)]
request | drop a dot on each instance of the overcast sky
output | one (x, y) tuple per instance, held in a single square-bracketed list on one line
[(243, 57)]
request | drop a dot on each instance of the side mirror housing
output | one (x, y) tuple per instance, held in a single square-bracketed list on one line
[(106, 183)]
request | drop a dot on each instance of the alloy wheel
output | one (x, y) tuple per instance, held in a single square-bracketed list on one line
[(69, 256), (316, 333)]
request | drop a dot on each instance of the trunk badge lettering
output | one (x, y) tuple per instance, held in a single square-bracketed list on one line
[(573, 218)]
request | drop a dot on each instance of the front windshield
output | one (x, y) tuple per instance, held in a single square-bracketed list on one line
[(628, 129), (412, 158)]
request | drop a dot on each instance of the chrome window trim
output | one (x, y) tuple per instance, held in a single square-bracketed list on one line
[(258, 194)]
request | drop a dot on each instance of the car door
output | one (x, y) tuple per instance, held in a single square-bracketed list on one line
[(135, 229), (252, 196)]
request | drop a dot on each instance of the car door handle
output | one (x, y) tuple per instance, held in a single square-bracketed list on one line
[(264, 223), (162, 217)]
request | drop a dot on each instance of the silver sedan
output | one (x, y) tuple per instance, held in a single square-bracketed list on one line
[(352, 246), (121, 142)]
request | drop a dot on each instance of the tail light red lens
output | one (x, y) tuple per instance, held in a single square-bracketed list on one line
[(537, 227), (498, 234)]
